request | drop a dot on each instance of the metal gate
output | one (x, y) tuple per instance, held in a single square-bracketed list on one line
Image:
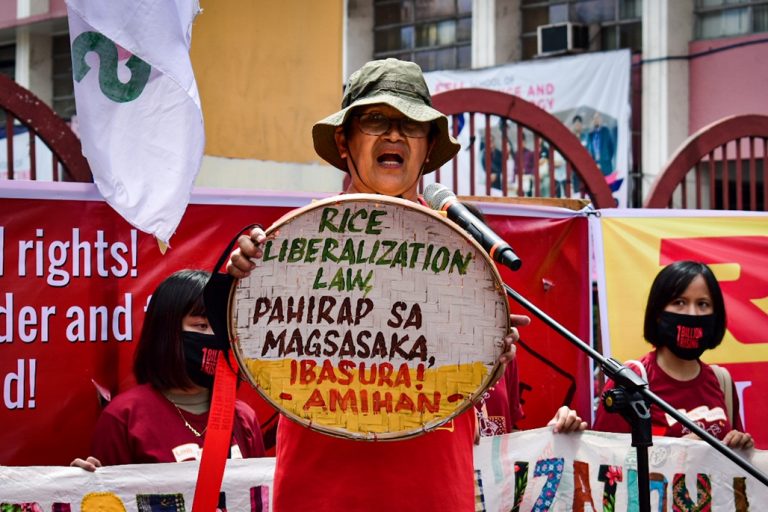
[(29, 122), (547, 147), (721, 167)]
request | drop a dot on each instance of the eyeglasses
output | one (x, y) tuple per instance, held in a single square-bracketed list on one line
[(376, 123)]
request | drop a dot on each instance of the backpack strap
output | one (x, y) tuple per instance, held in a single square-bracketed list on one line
[(726, 386)]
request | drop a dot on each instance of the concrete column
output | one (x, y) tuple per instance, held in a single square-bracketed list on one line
[(25, 8), (483, 33), (34, 63), (508, 29), (667, 30), (358, 41)]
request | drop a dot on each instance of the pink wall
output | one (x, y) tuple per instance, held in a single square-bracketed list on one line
[(7, 14), (56, 9), (728, 82)]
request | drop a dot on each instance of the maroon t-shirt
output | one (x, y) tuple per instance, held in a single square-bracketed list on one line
[(499, 407), (700, 399), (141, 426)]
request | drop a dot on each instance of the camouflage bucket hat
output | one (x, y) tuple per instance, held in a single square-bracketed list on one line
[(396, 83)]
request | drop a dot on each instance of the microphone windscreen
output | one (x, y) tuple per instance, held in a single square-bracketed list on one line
[(436, 195)]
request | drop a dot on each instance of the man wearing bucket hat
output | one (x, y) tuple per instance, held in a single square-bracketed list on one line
[(386, 136), (387, 117)]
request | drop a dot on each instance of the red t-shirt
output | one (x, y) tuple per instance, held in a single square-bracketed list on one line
[(322, 473), (701, 399), (141, 426), (499, 407)]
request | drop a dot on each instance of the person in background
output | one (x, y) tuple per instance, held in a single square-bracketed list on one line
[(496, 157), (601, 145), (529, 164), (164, 418), (545, 163), (684, 317), (577, 129)]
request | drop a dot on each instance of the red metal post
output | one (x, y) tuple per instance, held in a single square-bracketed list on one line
[(487, 154), (712, 181), (752, 176), (9, 143), (504, 158), (739, 177), (32, 157), (472, 138), (726, 177), (455, 161)]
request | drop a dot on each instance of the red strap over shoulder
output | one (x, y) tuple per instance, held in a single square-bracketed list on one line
[(218, 437)]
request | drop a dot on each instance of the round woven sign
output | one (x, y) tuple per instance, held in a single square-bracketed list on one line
[(369, 317)]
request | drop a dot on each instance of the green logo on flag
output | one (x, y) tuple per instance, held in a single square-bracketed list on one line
[(109, 82)]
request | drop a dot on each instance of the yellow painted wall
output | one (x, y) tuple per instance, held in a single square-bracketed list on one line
[(267, 70)]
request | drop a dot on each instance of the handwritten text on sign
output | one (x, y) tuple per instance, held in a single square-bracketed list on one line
[(370, 318)]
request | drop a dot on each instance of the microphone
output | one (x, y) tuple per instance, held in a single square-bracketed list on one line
[(439, 197)]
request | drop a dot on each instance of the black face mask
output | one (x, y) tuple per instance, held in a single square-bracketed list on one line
[(201, 352), (686, 336)]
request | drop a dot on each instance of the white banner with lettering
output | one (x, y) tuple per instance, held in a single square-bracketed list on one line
[(540, 471), (589, 93), (531, 470), (135, 487)]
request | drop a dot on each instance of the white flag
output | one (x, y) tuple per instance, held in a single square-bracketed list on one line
[(138, 107)]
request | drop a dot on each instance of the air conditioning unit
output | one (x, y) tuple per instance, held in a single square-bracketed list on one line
[(561, 38)]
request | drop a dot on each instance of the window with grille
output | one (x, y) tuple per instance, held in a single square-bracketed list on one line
[(8, 60), (724, 18), (620, 21), (7, 68), (436, 34)]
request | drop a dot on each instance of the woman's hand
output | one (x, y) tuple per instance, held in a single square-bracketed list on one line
[(250, 246), (738, 440), (89, 464), (508, 343), (566, 420)]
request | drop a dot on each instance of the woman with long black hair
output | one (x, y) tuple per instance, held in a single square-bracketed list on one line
[(685, 316), (164, 418)]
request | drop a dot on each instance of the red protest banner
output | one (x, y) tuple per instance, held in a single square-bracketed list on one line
[(555, 277), (76, 279)]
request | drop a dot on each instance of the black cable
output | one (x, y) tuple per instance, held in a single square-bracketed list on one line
[(702, 54)]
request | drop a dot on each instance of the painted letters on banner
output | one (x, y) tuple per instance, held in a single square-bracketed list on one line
[(541, 471)]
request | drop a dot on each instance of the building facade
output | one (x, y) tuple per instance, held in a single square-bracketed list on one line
[(267, 70)]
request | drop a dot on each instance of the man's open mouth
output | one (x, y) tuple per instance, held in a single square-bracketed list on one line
[(390, 158)]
